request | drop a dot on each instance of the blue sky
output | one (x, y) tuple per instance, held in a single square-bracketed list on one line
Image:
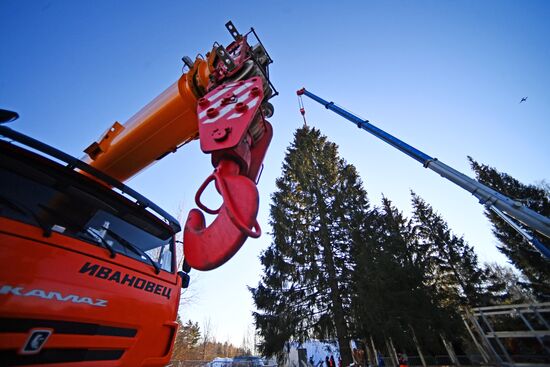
[(445, 76)]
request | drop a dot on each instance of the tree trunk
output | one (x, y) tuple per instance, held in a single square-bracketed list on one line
[(418, 347), (450, 350), (390, 352), (337, 309), (374, 352), (394, 352)]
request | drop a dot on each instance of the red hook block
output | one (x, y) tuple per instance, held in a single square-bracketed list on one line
[(207, 247)]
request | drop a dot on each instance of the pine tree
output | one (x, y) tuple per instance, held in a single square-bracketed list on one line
[(521, 254), (178, 352), (452, 264), (317, 214), (187, 340)]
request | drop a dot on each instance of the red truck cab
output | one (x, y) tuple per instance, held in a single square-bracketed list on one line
[(88, 271)]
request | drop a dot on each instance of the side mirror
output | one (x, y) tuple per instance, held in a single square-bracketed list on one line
[(184, 274), (185, 267), (8, 116), (185, 279)]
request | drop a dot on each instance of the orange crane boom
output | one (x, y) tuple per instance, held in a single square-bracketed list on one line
[(222, 99), (159, 128), (88, 266)]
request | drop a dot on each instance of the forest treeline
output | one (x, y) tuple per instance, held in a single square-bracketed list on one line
[(194, 343), (340, 267)]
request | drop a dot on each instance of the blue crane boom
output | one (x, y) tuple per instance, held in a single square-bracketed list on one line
[(502, 205)]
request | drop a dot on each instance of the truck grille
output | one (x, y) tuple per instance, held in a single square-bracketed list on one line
[(69, 354), (63, 327), (11, 358)]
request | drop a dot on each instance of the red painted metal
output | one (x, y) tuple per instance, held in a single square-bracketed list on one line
[(231, 116), (234, 222), (227, 116), (239, 52), (258, 151)]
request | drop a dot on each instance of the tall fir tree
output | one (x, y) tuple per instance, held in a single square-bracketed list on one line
[(505, 286), (521, 254), (318, 215), (392, 298), (453, 268)]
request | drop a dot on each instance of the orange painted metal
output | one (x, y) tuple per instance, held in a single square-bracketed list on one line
[(34, 266), (107, 309), (164, 124)]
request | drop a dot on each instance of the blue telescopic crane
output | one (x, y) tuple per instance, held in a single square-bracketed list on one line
[(500, 204)]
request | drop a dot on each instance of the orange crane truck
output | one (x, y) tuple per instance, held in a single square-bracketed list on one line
[(88, 273)]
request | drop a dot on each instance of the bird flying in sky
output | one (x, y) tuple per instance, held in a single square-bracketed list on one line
[(523, 99)]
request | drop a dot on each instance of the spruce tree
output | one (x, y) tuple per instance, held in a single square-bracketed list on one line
[(391, 296), (505, 286), (452, 264), (318, 214), (521, 254)]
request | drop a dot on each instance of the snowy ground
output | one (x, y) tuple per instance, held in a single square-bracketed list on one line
[(316, 350)]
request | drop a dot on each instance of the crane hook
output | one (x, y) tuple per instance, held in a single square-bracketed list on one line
[(207, 247), (232, 128)]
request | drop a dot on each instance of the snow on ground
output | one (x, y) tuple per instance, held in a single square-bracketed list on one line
[(316, 350)]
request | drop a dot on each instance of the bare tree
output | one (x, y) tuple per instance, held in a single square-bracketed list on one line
[(206, 335), (189, 295)]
